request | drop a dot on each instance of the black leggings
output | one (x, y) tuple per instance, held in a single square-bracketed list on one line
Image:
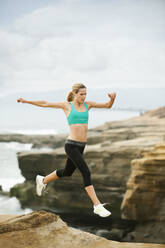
[(74, 150)]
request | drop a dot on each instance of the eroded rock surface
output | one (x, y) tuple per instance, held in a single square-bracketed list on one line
[(43, 229), (145, 195)]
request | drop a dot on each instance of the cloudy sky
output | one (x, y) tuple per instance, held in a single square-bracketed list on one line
[(49, 44)]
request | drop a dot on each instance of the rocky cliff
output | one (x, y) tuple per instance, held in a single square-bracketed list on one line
[(145, 195)]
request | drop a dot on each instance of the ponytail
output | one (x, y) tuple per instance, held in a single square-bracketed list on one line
[(70, 96)]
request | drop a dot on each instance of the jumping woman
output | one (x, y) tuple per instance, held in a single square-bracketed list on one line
[(76, 110)]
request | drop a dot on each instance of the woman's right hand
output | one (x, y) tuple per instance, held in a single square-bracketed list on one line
[(21, 100)]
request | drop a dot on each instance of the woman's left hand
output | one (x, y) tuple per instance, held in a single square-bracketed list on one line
[(112, 95)]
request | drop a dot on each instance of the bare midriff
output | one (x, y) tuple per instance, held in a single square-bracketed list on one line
[(78, 132)]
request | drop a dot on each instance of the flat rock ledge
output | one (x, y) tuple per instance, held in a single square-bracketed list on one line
[(44, 229)]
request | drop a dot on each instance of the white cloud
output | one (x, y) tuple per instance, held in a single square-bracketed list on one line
[(118, 43)]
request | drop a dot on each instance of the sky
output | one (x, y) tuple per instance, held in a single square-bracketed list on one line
[(51, 44)]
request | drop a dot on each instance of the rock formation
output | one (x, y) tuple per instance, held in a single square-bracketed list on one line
[(145, 195), (144, 200), (43, 229)]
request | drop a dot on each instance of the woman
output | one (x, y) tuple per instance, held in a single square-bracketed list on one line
[(76, 111)]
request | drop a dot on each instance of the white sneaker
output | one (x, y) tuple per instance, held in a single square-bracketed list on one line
[(101, 211), (40, 186)]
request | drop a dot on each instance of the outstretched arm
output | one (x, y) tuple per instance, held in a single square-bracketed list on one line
[(108, 104), (43, 103)]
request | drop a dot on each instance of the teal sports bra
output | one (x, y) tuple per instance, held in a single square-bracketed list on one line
[(76, 117)]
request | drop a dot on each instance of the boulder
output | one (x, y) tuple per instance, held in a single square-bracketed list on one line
[(43, 229)]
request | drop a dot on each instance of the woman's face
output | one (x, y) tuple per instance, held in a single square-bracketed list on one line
[(81, 95)]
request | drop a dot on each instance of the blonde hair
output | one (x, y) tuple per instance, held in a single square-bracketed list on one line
[(75, 89)]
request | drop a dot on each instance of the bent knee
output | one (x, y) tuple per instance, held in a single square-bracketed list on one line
[(67, 173)]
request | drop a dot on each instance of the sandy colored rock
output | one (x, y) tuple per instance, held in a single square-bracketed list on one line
[(42, 229), (145, 195), (6, 217)]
